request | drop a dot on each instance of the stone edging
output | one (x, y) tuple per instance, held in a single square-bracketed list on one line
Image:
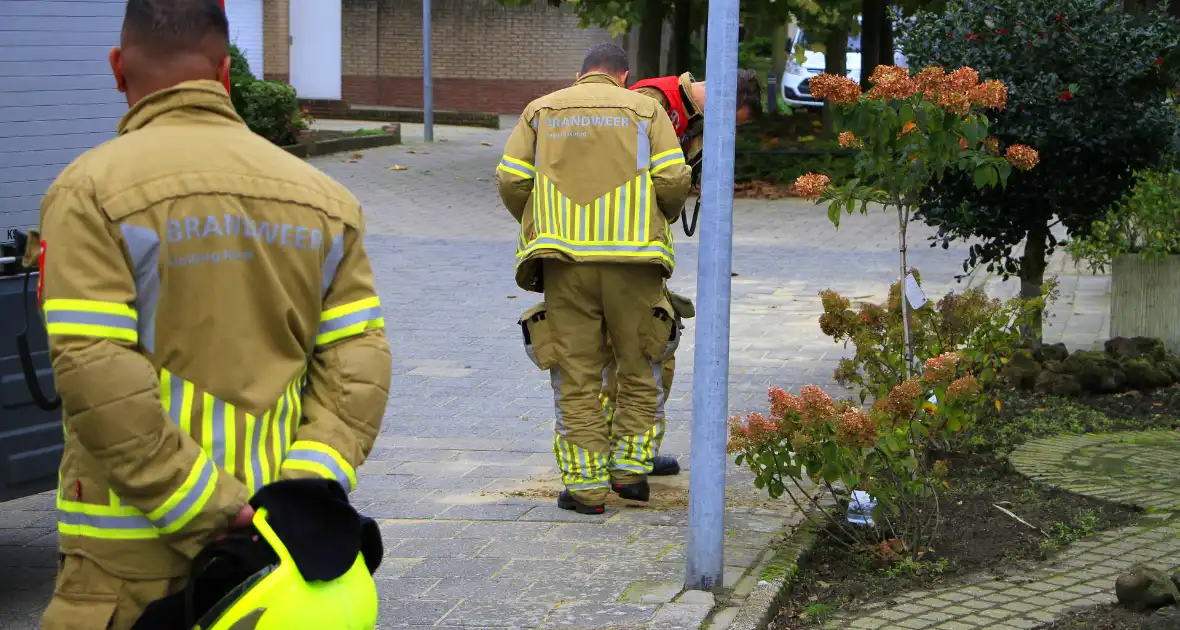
[(765, 600), (457, 119), (337, 145)]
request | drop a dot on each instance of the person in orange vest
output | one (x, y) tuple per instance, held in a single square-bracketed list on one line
[(684, 100)]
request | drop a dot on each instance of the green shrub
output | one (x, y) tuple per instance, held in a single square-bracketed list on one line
[(270, 108), (1145, 222)]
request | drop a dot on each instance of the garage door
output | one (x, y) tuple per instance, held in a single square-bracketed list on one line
[(245, 30), (57, 96)]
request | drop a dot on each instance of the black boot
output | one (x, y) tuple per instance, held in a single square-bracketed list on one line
[(638, 491), (566, 501), (664, 465)]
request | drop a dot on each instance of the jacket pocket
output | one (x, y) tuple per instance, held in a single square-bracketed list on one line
[(662, 333), (538, 339)]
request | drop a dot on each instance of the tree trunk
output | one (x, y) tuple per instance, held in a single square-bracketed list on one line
[(1145, 298), (871, 27), (778, 63), (1032, 276), (835, 62), (886, 39), (651, 40), (681, 36)]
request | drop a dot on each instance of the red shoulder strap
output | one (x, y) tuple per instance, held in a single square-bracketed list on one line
[(670, 86)]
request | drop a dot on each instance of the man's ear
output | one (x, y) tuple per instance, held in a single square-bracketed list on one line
[(116, 59), (223, 71), (626, 73)]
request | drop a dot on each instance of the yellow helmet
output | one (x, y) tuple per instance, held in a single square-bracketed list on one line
[(278, 598)]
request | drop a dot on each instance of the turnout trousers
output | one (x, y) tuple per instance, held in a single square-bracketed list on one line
[(567, 335), (683, 309), (86, 597)]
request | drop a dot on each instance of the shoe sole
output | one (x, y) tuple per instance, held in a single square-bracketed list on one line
[(581, 508), (631, 497)]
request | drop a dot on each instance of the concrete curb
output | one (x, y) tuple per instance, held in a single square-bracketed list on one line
[(774, 581), (337, 145)]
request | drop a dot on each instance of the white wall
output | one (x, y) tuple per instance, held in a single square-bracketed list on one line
[(245, 30)]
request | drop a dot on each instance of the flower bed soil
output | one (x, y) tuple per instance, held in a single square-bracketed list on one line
[(974, 536)]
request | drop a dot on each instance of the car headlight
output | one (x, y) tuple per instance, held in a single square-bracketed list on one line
[(793, 67)]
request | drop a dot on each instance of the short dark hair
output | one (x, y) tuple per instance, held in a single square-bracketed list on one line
[(609, 58), (172, 26), (749, 91)]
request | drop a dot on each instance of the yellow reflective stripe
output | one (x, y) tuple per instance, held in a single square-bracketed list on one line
[(520, 168), (349, 320), (91, 318), (580, 468), (322, 460), (189, 499), (517, 172), (663, 165), (659, 156)]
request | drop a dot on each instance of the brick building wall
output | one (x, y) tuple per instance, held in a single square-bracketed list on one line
[(487, 57)]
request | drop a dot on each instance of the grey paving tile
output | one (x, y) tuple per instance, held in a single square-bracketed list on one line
[(596, 614), (435, 547), (481, 615), (485, 512), (457, 567), (479, 589), (397, 613)]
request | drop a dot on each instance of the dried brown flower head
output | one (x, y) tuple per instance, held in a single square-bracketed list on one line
[(812, 185), (783, 404), (989, 94), (848, 140), (963, 388), (992, 144), (891, 82), (903, 398), (855, 428), (955, 102), (929, 81), (835, 89), (961, 80), (941, 369), (1022, 156)]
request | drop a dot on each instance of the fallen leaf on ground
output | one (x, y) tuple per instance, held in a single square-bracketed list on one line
[(399, 167), (357, 156), (486, 144), (457, 177)]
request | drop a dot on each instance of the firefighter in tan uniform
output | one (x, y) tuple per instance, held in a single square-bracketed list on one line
[(212, 322), (594, 173)]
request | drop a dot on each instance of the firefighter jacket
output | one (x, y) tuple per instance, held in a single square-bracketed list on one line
[(674, 94), (593, 172), (213, 327)]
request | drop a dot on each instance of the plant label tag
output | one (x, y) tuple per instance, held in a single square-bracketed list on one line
[(913, 291)]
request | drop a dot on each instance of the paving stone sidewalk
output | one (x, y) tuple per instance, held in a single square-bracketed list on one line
[(462, 474), (1138, 468)]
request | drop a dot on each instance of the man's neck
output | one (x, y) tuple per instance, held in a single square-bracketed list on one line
[(697, 93)]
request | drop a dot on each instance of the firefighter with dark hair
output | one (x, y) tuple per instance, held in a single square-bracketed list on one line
[(213, 324), (595, 175), (684, 100)]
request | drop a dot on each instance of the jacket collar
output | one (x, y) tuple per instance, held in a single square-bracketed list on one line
[(194, 99), (597, 77)]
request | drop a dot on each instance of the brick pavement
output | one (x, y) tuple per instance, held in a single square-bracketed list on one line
[(1135, 468), (470, 419)]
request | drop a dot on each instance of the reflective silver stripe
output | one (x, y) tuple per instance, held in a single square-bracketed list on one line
[(565, 218), (255, 452), (143, 245), (641, 234), (555, 382), (175, 397), (668, 158), (316, 457), (218, 427), (652, 248), (623, 200), (331, 264), (588, 486), (109, 320), (601, 234), (642, 147), (344, 321), (105, 521), (179, 510)]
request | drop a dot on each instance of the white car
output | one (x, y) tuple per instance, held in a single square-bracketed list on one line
[(796, 88)]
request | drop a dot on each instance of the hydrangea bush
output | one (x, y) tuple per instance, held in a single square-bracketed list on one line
[(811, 441), (910, 131)]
